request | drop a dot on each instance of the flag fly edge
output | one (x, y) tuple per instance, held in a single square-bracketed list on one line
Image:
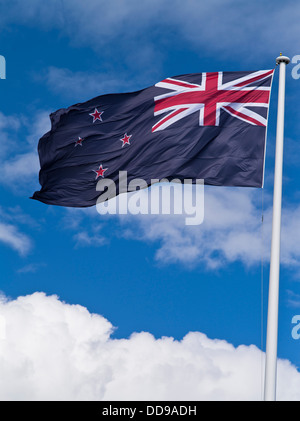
[(263, 176)]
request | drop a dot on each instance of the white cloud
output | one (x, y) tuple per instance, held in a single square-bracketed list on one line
[(83, 85), (136, 26), (84, 238), (11, 218), (15, 215), (231, 231), (9, 122), (293, 299), (55, 351), (19, 158), (37, 125), (9, 127), (30, 268), (19, 167), (11, 236)]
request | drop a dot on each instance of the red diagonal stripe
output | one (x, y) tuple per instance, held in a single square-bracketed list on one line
[(247, 82), (244, 116), (162, 121), (180, 83)]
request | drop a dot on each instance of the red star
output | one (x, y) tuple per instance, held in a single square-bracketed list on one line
[(96, 115), (126, 139), (78, 142), (100, 172)]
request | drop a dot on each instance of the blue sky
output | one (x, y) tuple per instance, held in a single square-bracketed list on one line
[(151, 274)]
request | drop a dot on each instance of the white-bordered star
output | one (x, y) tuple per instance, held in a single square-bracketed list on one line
[(79, 141), (96, 115), (125, 139), (100, 172)]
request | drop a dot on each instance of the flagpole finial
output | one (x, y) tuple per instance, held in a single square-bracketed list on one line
[(282, 59)]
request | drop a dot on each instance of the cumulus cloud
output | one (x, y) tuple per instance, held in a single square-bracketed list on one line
[(51, 350), (231, 231)]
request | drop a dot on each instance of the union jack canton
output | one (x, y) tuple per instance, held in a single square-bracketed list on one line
[(210, 96)]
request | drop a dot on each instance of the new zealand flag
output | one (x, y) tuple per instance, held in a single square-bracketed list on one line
[(209, 126)]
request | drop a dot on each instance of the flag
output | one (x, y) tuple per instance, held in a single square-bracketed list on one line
[(209, 126)]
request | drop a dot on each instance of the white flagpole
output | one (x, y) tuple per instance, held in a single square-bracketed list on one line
[(272, 324)]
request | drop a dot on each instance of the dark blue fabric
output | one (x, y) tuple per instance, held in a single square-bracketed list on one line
[(231, 154)]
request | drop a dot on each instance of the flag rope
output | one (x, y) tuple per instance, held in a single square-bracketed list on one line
[(262, 295)]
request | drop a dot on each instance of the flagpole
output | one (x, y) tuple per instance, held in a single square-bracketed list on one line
[(272, 323)]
